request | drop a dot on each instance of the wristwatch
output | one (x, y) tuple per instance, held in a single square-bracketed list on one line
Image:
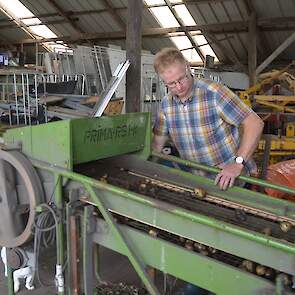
[(240, 160)]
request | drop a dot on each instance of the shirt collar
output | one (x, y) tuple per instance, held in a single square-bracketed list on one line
[(190, 98)]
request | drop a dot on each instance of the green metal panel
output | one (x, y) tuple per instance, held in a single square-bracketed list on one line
[(147, 150), (237, 194), (197, 269), (204, 229), (97, 138), (76, 141), (47, 142), (266, 250), (215, 170)]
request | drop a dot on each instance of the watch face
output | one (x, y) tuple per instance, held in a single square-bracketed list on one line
[(239, 160)]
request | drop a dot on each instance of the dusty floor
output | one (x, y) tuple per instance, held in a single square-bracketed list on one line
[(114, 268)]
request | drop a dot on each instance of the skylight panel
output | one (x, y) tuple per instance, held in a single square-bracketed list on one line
[(185, 15), (43, 31), (182, 42), (167, 19), (191, 55), (206, 49), (165, 16), (16, 10), (31, 21)]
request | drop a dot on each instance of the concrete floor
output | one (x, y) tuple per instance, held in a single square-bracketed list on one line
[(115, 268)]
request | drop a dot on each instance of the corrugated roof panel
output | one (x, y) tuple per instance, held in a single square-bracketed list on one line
[(148, 20), (156, 44), (277, 40), (194, 11), (288, 7), (38, 7), (218, 13), (236, 10), (268, 8), (102, 22), (12, 35), (61, 29), (119, 3), (203, 13), (206, 14)]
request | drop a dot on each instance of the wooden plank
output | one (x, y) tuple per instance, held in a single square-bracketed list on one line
[(133, 54), (51, 99), (281, 98)]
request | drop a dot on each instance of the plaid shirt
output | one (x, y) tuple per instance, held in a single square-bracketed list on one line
[(205, 128)]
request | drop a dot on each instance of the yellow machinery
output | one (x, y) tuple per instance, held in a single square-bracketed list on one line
[(256, 90), (277, 147)]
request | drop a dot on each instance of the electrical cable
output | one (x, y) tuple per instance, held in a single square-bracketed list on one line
[(45, 225)]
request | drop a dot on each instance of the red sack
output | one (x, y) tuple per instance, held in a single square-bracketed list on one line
[(282, 173)]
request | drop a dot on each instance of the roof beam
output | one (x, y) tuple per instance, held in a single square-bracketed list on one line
[(278, 51), (65, 16), (250, 10), (53, 22), (69, 13), (252, 49), (153, 32), (249, 6), (188, 35), (19, 23), (223, 49), (188, 2), (261, 22)]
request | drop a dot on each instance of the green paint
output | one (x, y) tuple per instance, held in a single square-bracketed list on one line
[(97, 138), (204, 229), (47, 142), (192, 267), (68, 142)]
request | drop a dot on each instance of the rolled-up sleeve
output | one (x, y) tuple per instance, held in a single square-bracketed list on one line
[(230, 107)]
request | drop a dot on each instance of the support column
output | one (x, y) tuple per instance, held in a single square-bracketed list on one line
[(133, 53), (252, 49)]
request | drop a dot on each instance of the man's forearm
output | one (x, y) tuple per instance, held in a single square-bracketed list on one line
[(158, 142), (252, 129)]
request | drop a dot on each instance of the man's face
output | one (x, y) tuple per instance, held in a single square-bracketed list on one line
[(178, 79)]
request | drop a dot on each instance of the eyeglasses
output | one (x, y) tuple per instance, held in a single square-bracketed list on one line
[(181, 80)]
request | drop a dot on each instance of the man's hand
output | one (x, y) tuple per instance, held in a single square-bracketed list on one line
[(226, 177)]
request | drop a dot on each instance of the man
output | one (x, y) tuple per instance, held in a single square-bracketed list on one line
[(203, 119)]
